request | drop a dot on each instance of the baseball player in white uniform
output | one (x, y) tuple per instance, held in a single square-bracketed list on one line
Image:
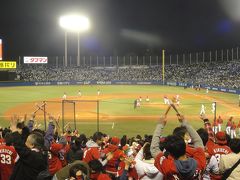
[(213, 107), (64, 96), (79, 93), (166, 100), (202, 111)]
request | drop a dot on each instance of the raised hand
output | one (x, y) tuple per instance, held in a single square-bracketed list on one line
[(181, 118), (163, 120), (13, 125)]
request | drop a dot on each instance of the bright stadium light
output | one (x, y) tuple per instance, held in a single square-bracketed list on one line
[(74, 23)]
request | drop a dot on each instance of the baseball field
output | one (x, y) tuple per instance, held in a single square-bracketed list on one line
[(114, 107)]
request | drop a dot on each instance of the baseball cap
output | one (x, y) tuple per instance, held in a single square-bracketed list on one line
[(115, 140), (221, 138)]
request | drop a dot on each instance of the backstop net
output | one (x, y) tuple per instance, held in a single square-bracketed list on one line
[(80, 114)]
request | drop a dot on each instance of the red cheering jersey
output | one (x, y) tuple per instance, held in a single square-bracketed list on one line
[(2, 141), (167, 165), (56, 157), (8, 157), (217, 150), (112, 164), (91, 153)]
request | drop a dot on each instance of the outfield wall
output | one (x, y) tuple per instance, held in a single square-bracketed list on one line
[(48, 83)]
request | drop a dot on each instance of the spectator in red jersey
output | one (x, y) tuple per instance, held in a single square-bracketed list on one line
[(57, 155), (212, 168), (227, 161), (112, 164), (8, 157), (220, 122), (62, 153), (93, 148), (57, 151), (216, 146), (126, 167), (177, 165), (219, 145)]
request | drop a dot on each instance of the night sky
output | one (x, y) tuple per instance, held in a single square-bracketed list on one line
[(30, 27)]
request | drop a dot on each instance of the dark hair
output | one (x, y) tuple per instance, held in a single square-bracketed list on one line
[(95, 166), (97, 136), (148, 138), (123, 140), (83, 140), (180, 131), (25, 133), (75, 168), (8, 139), (5, 131), (203, 134), (38, 131), (130, 141), (175, 145), (20, 125), (139, 137), (146, 151), (235, 145)]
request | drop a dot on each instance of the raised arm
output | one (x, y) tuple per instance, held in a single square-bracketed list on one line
[(48, 138), (30, 123), (154, 148), (196, 139)]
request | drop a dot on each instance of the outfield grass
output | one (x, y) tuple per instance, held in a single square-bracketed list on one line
[(117, 115)]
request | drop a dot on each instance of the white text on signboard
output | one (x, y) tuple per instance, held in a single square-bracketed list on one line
[(35, 60)]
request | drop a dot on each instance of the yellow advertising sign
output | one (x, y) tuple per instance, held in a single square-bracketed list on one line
[(8, 65)]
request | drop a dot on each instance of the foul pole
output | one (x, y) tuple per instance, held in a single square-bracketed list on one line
[(163, 66)]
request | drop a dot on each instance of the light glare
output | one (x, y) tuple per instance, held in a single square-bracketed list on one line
[(74, 23)]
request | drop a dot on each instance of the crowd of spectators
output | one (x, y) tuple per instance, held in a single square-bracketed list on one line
[(29, 153), (218, 74)]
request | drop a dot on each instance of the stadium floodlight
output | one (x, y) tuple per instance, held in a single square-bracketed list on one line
[(74, 23)]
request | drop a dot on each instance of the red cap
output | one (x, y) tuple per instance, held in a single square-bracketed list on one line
[(115, 140), (221, 138)]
